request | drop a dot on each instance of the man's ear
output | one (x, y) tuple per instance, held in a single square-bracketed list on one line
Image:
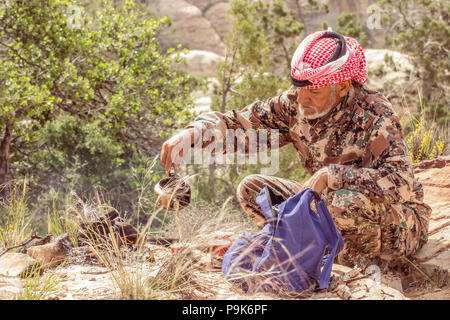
[(342, 88)]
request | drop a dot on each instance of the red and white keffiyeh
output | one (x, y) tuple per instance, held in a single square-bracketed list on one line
[(309, 61)]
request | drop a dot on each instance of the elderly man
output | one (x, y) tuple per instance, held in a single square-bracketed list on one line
[(348, 138)]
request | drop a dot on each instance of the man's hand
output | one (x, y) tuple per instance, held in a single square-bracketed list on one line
[(175, 148), (318, 182)]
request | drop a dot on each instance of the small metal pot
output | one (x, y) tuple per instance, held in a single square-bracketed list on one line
[(172, 192)]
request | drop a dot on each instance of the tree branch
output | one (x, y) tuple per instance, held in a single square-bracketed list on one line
[(400, 9)]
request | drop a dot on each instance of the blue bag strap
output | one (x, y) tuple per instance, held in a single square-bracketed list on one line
[(334, 239), (264, 201)]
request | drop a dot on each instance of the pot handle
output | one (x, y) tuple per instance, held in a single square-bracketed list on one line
[(172, 170)]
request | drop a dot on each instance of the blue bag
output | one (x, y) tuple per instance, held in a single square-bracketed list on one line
[(288, 253)]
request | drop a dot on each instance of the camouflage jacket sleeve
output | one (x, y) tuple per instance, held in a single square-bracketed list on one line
[(271, 114), (386, 174)]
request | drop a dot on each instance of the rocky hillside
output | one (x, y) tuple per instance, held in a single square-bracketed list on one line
[(200, 26)]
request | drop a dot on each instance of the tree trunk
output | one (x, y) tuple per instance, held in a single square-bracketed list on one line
[(427, 90), (4, 152), (212, 181)]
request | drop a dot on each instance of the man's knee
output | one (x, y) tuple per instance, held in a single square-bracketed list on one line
[(248, 187), (357, 218), (353, 206)]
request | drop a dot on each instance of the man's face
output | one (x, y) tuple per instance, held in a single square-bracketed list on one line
[(315, 103)]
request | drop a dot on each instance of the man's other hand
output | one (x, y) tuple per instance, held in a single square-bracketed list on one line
[(174, 149), (318, 182)]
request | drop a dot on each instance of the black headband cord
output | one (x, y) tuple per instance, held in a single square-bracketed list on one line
[(339, 51)]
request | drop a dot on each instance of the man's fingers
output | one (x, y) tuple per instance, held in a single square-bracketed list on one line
[(168, 158), (173, 150), (164, 153)]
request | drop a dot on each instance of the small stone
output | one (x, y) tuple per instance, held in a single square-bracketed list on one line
[(344, 292), (393, 282), (359, 294), (351, 274), (64, 239), (126, 231), (339, 269)]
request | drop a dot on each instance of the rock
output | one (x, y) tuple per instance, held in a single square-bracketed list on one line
[(434, 256), (359, 294), (350, 283), (389, 293), (126, 232), (201, 63), (10, 282), (14, 264), (218, 16), (10, 288), (48, 255), (202, 24), (351, 274), (112, 215), (434, 163), (93, 231), (376, 61), (369, 289), (344, 292), (37, 241), (202, 4), (392, 282), (101, 230), (192, 30), (340, 270), (64, 239), (435, 269)]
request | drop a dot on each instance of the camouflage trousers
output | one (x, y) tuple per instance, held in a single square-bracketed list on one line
[(371, 230)]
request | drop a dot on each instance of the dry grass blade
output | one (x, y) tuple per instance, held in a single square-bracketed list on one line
[(124, 261), (39, 286), (178, 276), (16, 219)]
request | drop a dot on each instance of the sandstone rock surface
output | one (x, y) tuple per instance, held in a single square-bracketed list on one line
[(216, 13), (14, 264), (48, 255), (201, 63), (192, 30), (435, 255)]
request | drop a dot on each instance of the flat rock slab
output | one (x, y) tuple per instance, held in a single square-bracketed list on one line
[(16, 264), (10, 288), (375, 287), (435, 254)]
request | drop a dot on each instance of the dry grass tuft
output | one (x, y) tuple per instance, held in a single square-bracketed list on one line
[(15, 219)]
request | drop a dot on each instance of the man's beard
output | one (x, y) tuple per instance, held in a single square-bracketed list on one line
[(331, 104)]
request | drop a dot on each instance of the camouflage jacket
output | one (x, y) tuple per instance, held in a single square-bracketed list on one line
[(360, 141)]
